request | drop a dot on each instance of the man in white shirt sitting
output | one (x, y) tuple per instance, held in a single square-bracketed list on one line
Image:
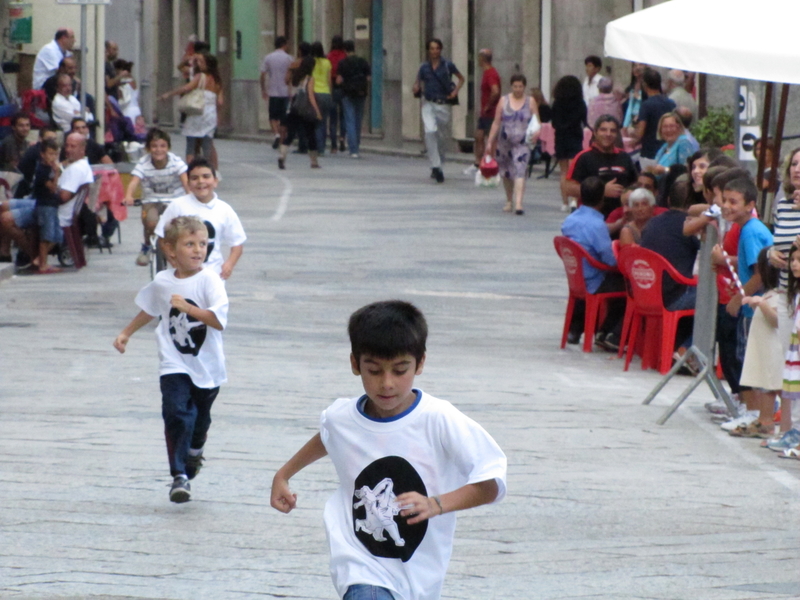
[(65, 106), (76, 173), (51, 54)]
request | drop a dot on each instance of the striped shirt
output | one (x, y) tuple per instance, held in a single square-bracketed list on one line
[(160, 181), (787, 228)]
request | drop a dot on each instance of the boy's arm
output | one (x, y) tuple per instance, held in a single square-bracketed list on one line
[(233, 258), (420, 507), (132, 185), (201, 314), (135, 325), (282, 498)]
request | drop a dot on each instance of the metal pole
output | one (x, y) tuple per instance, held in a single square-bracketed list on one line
[(764, 137), (83, 61), (773, 176)]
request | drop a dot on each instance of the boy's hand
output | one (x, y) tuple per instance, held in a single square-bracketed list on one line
[(417, 506), (226, 271), (178, 301), (282, 498), (717, 257), (734, 305), (753, 301), (121, 342)]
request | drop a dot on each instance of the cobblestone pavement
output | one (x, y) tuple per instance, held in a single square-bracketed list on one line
[(603, 503)]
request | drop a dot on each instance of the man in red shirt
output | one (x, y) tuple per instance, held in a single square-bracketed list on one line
[(490, 96)]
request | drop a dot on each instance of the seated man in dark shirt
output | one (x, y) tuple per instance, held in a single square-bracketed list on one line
[(29, 160), (664, 235)]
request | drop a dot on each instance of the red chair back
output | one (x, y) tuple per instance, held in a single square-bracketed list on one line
[(572, 254), (645, 270)]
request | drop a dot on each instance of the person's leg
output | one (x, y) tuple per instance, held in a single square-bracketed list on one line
[(362, 591), (21, 215), (179, 414), (359, 119), (190, 149), (50, 233), (429, 124), (202, 399), (765, 400), (324, 103), (442, 120), (480, 145), (349, 118), (335, 119), (563, 168), (311, 136), (508, 186), (726, 341), (210, 152), (286, 143), (746, 394), (519, 192)]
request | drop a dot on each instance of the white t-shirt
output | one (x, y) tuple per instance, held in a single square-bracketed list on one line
[(185, 344), (72, 178), (160, 181), (432, 448), (224, 226), (46, 63), (590, 89)]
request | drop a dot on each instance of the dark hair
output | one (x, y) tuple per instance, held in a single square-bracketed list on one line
[(387, 330), (743, 186), (153, 134), (593, 190), (280, 41), (303, 49), (198, 163), (306, 68), (19, 115), (721, 180), (349, 46), (769, 274), (567, 88), (711, 174), (793, 284), (60, 33), (518, 77), (436, 41), (123, 65), (337, 43), (650, 175), (77, 120), (317, 51), (48, 128), (212, 67), (679, 196), (595, 60), (652, 79), (201, 47), (709, 153), (607, 119), (48, 145), (787, 181), (723, 160)]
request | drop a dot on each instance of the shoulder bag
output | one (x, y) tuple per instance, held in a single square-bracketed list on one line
[(447, 86), (300, 105), (194, 102)]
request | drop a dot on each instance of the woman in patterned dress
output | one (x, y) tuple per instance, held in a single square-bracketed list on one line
[(508, 131)]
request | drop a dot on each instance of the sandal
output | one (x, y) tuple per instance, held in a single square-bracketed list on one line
[(790, 453), (47, 271), (754, 430)]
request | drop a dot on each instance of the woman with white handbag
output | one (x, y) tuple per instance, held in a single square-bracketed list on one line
[(515, 129), (200, 99)]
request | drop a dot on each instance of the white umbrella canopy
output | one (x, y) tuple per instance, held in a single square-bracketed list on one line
[(747, 39)]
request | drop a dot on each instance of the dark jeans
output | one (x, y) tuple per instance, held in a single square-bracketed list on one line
[(305, 130), (726, 340), (336, 117), (186, 410), (325, 104), (353, 116), (613, 282)]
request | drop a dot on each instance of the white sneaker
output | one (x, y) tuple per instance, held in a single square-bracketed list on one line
[(718, 407), (749, 416), (564, 208), (573, 204), (470, 170)]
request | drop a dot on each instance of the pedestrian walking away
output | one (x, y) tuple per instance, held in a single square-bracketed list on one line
[(435, 86), (490, 96), (354, 75), (275, 89), (508, 137), (304, 113)]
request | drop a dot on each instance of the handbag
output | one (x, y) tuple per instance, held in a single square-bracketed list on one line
[(194, 103), (300, 105), (532, 133)]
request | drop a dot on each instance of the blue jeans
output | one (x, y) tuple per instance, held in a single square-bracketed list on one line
[(336, 129), (325, 104), (353, 109), (186, 410), (367, 592)]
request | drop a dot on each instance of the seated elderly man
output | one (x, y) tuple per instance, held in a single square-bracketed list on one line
[(586, 227), (65, 106), (51, 54)]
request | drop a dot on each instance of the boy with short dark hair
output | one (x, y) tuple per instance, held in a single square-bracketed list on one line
[(738, 203), (45, 192), (406, 462), (192, 307)]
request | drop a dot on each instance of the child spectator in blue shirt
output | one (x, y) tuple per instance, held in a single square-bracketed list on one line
[(738, 204), (45, 192)]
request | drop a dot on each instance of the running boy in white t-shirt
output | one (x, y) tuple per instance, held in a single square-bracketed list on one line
[(406, 462), (222, 222), (192, 307)]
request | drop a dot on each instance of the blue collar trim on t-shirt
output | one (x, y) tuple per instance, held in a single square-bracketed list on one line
[(363, 401)]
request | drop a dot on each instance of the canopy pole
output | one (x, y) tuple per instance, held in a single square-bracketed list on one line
[(768, 92), (773, 175)]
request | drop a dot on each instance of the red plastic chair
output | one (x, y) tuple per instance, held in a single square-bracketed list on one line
[(645, 271), (629, 309), (572, 255)]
